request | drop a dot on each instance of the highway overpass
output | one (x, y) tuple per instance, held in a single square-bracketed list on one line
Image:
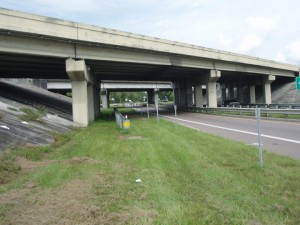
[(151, 87), (33, 46)]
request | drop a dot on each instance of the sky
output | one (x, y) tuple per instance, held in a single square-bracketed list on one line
[(267, 29)]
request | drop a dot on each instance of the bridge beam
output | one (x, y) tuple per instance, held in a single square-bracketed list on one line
[(84, 94)]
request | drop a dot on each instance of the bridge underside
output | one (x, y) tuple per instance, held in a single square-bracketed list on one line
[(187, 81), (41, 67)]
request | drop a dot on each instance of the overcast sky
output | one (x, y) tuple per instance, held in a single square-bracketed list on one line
[(263, 28)]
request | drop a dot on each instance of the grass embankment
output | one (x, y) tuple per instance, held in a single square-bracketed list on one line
[(188, 177)]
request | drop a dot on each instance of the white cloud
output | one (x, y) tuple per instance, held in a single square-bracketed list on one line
[(290, 54), (264, 23), (280, 57), (293, 51), (225, 41), (249, 43)]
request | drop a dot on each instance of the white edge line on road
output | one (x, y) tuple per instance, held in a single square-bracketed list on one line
[(230, 129)]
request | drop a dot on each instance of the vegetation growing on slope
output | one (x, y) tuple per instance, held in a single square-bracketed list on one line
[(33, 114)]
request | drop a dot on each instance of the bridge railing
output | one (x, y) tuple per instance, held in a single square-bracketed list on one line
[(122, 121)]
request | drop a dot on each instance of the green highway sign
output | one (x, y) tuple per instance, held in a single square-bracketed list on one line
[(297, 83)]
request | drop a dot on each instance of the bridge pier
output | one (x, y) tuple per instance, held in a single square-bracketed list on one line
[(267, 89), (252, 94), (84, 94), (153, 96), (223, 93), (211, 88), (198, 95), (180, 93), (104, 98)]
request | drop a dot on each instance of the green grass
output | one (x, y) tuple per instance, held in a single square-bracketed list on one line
[(188, 177)]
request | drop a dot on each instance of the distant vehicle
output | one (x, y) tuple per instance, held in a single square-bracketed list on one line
[(231, 103)]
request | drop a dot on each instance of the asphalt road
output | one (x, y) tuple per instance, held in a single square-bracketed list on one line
[(277, 136)]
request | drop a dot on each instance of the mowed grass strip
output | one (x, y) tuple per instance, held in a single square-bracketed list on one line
[(187, 177)]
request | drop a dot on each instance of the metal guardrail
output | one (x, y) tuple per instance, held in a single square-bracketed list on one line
[(284, 106), (269, 106), (122, 121), (251, 111)]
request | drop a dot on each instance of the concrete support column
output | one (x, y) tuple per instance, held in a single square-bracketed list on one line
[(267, 89), (97, 97), (182, 96), (240, 93), (198, 95), (176, 95), (156, 98), (213, 76), (223, 93), (83, 103), (231, 91), (252, 94), (104, 98), (151, 96), (180, 93), (189, 96)]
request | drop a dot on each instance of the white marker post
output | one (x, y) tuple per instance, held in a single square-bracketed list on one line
[(157, 115), (175, 109), (257, 114), (148, 110)]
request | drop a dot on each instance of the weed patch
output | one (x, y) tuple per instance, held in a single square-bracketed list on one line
[(8, 168), (31, 114)]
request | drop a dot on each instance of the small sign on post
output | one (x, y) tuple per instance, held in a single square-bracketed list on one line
[(157, 114), (148, 110), (175, 109), (257, 114), (297, 83)]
